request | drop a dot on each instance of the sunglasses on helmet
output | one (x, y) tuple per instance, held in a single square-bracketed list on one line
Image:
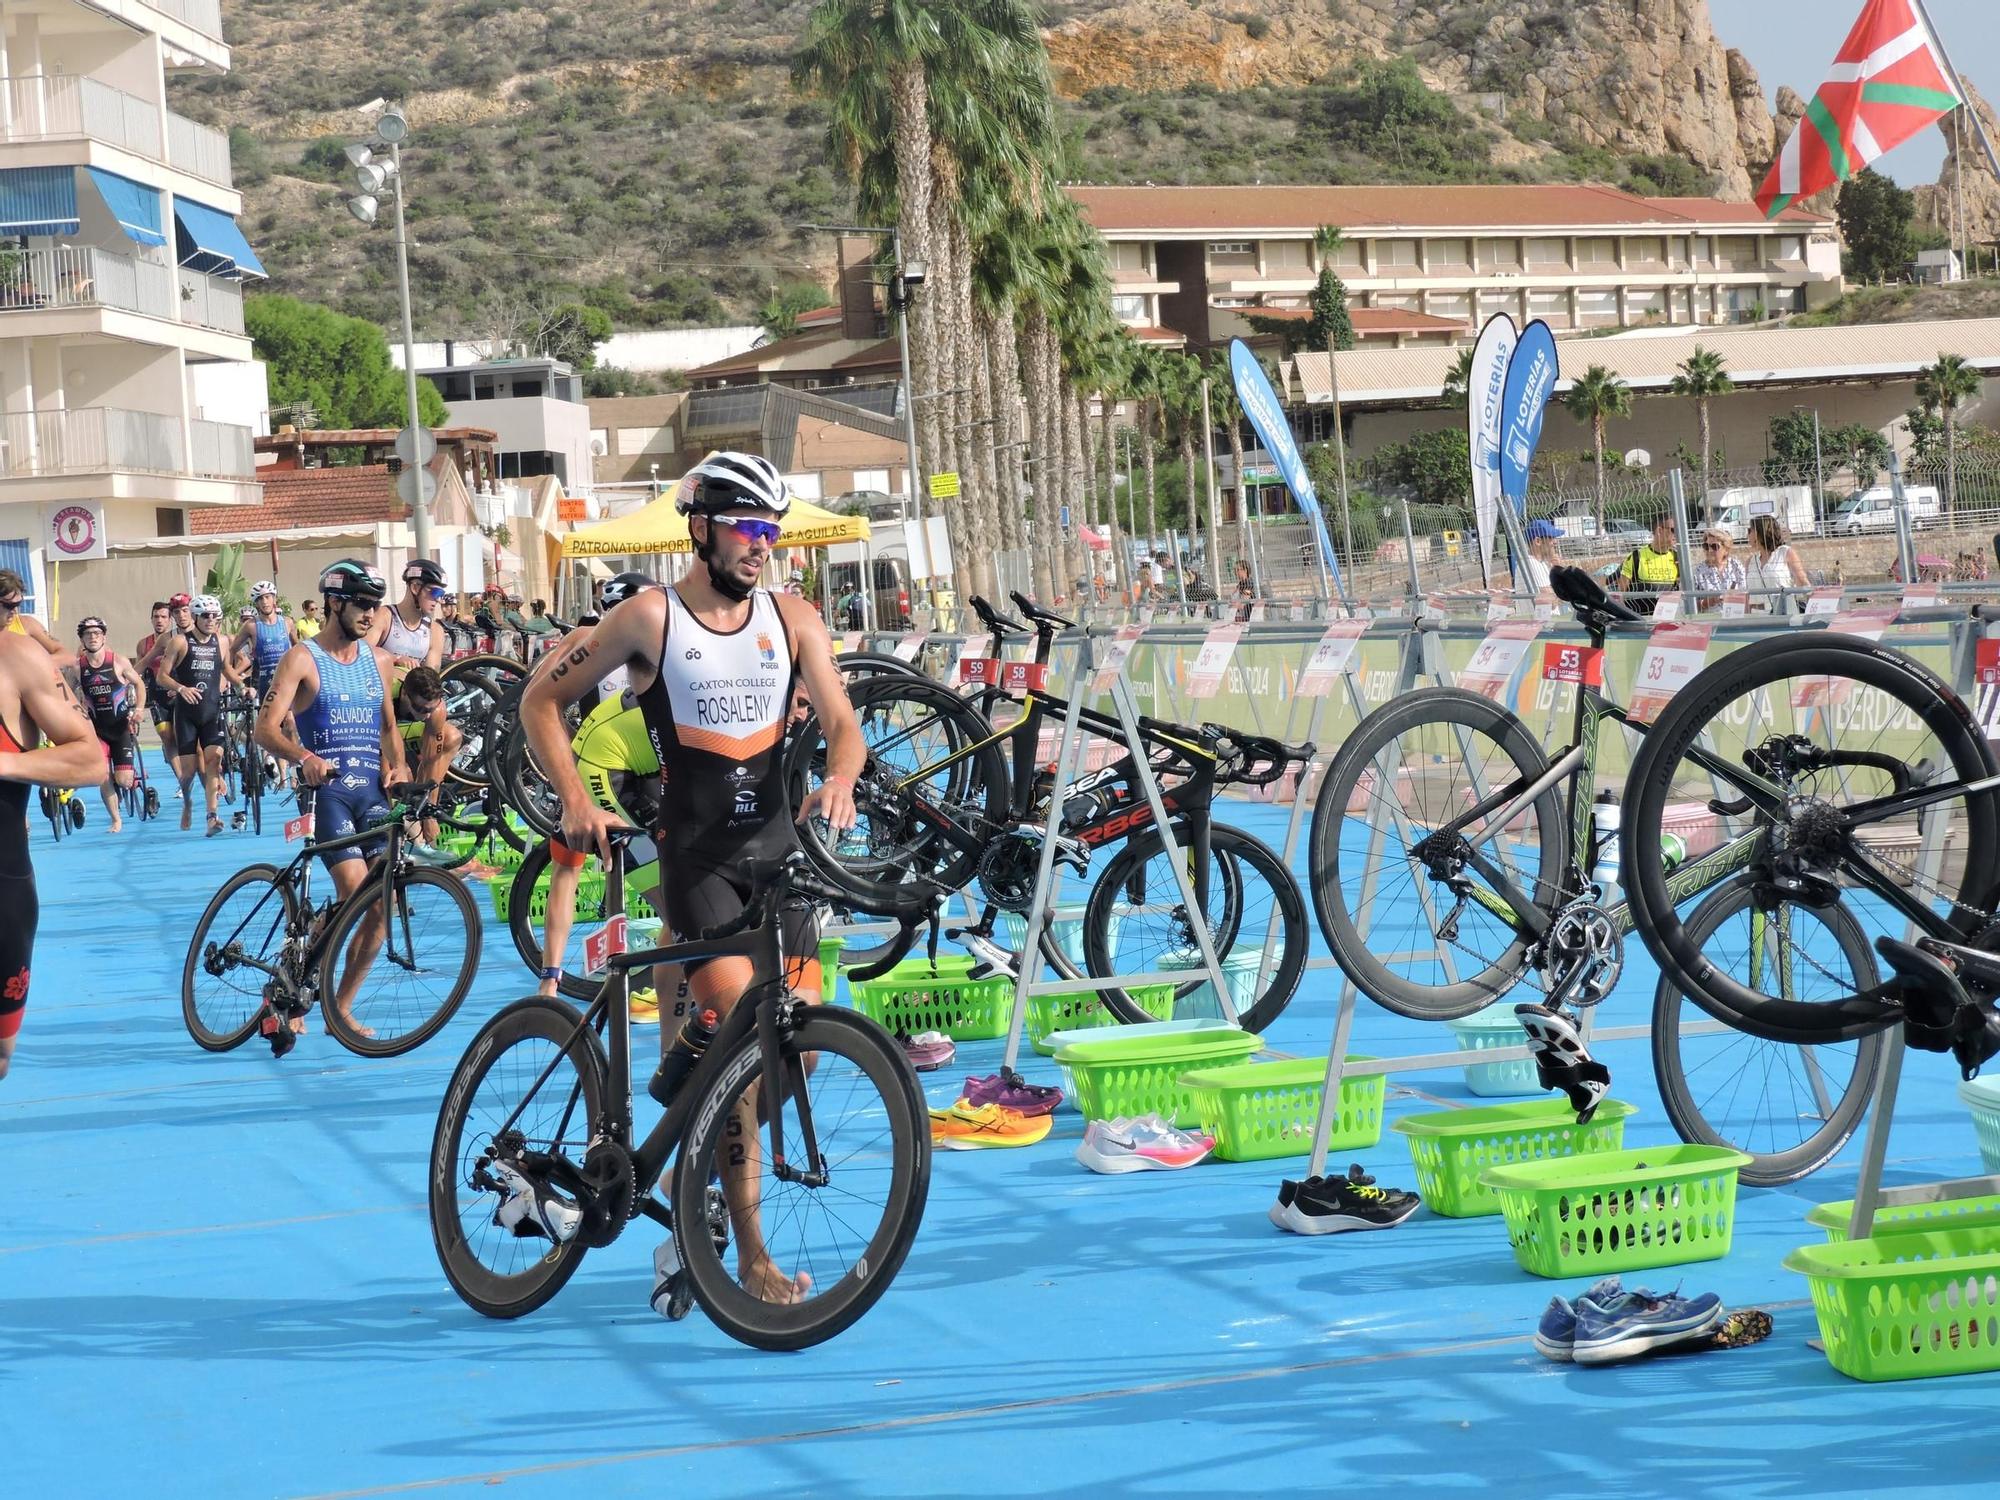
[(750, 528)]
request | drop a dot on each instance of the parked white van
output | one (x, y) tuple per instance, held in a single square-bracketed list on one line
[(1875, 510)]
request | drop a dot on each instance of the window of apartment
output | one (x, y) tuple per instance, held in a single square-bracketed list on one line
[(1130, 308), (1232, 253), (1736, 252), (1646, 302), (1406, 302), (1281, 256), (1348, 256), (1451, 305), (1451, 255), (168, 520), (1596, 250), (1395, 255), (1500, 255), (1596, 306), (1548, 252), (646, 440), (1644, 249), (1128, 255), (1551, 307), (1229, 302), (1701, 249), (1791, 247)]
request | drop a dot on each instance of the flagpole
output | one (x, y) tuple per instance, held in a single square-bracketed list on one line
[(1958, 82)]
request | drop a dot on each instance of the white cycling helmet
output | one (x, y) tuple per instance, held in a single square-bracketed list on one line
[(207, 604), (733, 481), (260, 589)]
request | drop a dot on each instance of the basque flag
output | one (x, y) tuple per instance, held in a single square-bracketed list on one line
[(1888, 82)]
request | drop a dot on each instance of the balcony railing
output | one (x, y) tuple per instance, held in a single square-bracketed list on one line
[(39, 106), (199, 150), (88, 440), (211, 302), (220, 450), (204, 16), (80, 276)]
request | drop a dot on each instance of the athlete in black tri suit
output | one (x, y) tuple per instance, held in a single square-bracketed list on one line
[(713, 662), (197, 666), (35, 706), (115, 698)]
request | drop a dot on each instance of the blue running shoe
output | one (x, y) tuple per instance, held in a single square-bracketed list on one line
[(1555, 1335), (1638, 1322)]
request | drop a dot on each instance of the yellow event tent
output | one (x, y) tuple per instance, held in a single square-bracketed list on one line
[(660, 528)]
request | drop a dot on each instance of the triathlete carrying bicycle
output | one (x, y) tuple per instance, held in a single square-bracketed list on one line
[(713, 662), (264, 638), (329, 714)]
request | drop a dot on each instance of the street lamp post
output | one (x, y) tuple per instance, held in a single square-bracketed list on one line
[(372, 176)]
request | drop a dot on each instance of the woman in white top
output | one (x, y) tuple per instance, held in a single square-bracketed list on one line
[(1775, 563)]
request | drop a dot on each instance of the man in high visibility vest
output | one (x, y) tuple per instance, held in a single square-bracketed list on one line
[(1652, 569)]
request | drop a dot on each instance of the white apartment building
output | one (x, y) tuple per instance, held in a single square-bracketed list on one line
[(534, 404), (1428, 265), (121, 278)]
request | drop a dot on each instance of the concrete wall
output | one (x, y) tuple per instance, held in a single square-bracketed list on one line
[(236, 391), (123, 586)]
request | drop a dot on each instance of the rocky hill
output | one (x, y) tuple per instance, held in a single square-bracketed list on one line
[(655, 158)]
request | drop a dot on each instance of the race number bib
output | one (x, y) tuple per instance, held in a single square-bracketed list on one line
[(1498, 658), (1673, 655), (1205, 676)]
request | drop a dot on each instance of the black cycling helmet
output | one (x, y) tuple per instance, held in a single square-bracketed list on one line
[(89, 622), (423, 570), (352, 579), (624, 586)]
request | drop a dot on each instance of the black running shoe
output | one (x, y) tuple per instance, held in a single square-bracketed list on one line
[(1333, 1205)]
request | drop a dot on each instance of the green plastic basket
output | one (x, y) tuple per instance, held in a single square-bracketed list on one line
[(1979, 1212), (917, 996), (1240, 969), (1131, 1071), (1257, 1111), (589, 891), (1085, 1011), (1451, 1149), (1906, 1305), (829, 966), (1619, 1210)]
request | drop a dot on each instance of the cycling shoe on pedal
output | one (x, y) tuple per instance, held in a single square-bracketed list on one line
[(530, 1209), (276, 1030), (1562, 1061), (1940, 1015)]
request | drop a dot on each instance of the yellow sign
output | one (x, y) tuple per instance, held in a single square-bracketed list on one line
[(944, 486), (1452, 542)]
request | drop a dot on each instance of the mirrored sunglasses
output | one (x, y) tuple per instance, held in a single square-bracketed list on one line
[(751, 528)]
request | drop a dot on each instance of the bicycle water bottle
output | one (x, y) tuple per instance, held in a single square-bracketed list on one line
[(1673, 849), (679, 1059), (1605, 815)]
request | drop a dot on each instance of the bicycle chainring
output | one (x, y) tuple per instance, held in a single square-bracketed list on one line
[(1008, 868), (1584, 933), (611, 1194)]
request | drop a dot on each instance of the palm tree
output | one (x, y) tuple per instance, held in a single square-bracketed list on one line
[(1228, 414), (1942, 388), (1702, 377), (1595, 397), (1458, 379), (1147, 377)]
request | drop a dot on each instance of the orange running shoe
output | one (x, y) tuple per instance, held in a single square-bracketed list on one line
[(969, 1127)]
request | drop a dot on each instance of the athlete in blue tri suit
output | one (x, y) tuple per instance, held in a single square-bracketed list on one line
[(342, 736), (264, 639)]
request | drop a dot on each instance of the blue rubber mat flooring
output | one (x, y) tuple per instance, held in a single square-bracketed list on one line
[(216, 1278)]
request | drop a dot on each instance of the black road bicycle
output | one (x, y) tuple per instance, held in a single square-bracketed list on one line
[(1452, 861), (265, 952), (534, 1159), (938, 803)]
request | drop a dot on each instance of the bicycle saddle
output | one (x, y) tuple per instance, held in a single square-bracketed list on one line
[(1039, 615), (1577, 588), (992, 618)]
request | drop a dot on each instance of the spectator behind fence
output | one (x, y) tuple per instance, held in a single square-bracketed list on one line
[(1720, 571), (1540, 557), (1652, 569), (1776, 564)]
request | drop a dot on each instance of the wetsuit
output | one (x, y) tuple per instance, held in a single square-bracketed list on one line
[(18, 902), (344, 726), (716, 716), (198, 726), (108, 702)]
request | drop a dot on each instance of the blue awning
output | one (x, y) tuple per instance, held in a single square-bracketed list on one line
[(210, 241), (135, 206), (38, 200)]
